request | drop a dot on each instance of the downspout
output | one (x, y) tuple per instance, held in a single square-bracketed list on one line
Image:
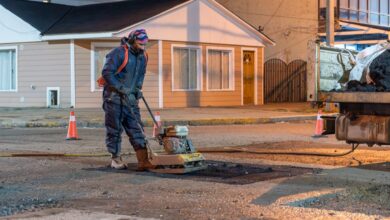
[(72, 76), (160, 75)]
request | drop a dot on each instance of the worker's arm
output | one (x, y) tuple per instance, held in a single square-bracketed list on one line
[(113, 61), (140, 82)]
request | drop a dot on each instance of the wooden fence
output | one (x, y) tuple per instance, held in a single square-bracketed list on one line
[(284, 82)]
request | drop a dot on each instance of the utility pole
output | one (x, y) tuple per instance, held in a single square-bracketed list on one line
[(330, 23)]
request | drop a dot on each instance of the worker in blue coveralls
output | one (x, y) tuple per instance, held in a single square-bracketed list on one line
[(121, 95)]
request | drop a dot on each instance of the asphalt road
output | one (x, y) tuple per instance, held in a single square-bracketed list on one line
[(237, 186), (53, 139)]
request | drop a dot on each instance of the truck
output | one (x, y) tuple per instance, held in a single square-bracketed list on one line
[(363, 117)]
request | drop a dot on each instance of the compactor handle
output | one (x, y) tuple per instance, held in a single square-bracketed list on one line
[(150, 112)]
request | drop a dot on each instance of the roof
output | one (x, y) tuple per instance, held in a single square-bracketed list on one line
[(61, 19), (110, 16), (56, 19)]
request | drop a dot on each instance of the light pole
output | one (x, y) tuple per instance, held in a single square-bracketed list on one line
[(330, 23)]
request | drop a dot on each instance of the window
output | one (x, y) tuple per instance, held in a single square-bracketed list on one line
[(98, 58), (8, 69), (384, 12), (220, 69), (376, 12), (53, 97), (363, 9), (344, 9), (186, 68)]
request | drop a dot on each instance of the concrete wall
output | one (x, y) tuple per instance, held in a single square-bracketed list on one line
[(291, 24), (40, 65)]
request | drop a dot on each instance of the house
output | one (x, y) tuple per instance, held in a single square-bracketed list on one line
[(200, 53)]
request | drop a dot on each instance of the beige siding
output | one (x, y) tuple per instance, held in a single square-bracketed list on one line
[(46, 64), (260, 76), (85, 98), (40, 65), (204, 97)]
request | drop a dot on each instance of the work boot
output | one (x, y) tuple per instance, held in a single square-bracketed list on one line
[(117, 163), (143, 160)]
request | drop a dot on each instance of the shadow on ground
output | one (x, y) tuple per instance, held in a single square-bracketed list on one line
[(224, 172), (352, 190)]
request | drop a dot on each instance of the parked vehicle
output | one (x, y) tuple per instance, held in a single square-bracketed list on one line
[(364, 110)]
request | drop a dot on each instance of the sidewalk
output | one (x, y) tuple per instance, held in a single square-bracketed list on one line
[(270, 113)]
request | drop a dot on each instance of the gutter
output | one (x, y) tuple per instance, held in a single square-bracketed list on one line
[(78, 36)]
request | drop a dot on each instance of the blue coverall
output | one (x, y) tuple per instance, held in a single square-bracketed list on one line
[(118, 115)]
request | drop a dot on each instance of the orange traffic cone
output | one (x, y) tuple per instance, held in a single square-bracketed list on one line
[(156, 128), (72, 129), (319, 126)]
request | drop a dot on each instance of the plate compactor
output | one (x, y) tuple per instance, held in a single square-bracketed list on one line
[(180, 155)]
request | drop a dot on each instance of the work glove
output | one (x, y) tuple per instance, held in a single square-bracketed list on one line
[(132, 100), (138, 94), (128, 95), (124, 91)]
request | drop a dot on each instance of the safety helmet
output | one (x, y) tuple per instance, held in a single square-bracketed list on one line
[(138, 35)]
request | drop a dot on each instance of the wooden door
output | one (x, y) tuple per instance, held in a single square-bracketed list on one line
[(248, 63)]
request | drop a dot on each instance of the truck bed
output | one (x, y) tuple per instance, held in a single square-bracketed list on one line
[(355, 97)]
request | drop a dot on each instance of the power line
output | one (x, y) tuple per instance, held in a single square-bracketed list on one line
[(309, 30), (276, 11), (280, 16), (293, 44)]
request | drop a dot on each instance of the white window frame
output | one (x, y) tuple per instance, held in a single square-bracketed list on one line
[(95, 45), (231, 68), (16, 67), (199, 66), (58, 97)]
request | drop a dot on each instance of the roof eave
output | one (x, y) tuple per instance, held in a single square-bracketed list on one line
[(77, 36)]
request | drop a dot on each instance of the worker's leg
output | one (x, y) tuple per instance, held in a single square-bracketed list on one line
[(113, 118), (134, 129)]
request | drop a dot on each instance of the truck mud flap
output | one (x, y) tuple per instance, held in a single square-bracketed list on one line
[(329, 124)]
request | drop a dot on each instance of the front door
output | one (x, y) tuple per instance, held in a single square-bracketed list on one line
[(249, 77)]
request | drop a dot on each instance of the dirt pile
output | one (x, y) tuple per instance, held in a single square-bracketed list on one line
[(379, 75), (380, 71)]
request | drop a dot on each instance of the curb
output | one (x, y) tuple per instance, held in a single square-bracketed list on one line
[(149, 123)]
